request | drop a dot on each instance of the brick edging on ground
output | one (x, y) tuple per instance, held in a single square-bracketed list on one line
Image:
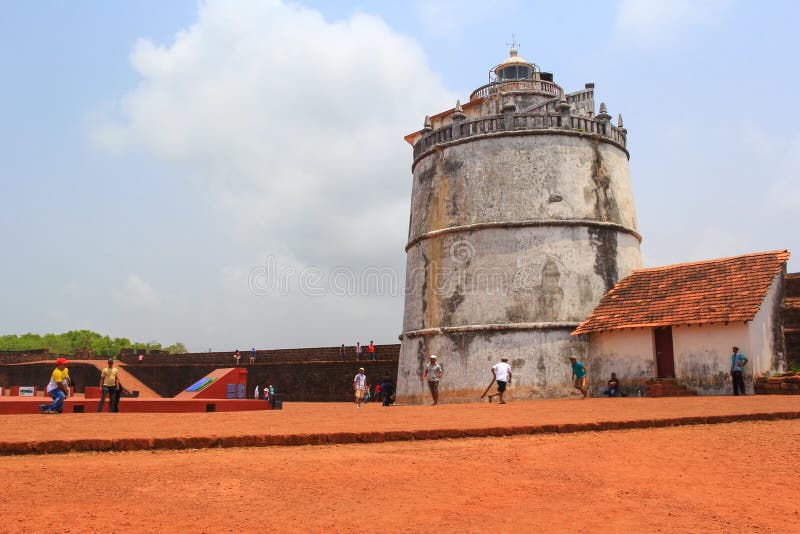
[(339, 438)]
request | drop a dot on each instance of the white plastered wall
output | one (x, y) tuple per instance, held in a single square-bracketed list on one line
[(763, 353), (703, 356), (629, 353)]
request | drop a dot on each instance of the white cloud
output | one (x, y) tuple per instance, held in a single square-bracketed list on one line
[(654, 23), (135, 292), (293, 124), (293, 127)]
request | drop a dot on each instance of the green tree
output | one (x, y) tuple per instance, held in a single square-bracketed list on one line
[(73, 341)]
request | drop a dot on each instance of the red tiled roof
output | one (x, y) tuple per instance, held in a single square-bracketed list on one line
[(713, 291)]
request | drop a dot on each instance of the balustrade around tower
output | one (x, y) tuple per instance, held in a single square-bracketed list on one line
[(518, 122), (535, 86)]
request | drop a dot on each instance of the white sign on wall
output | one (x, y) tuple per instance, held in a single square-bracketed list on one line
[(27, 391)]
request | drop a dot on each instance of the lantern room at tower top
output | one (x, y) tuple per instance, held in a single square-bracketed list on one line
[(525, 75), (521, 86)]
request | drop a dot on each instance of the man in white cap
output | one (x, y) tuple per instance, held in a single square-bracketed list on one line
[(433, 372), (360, 386)]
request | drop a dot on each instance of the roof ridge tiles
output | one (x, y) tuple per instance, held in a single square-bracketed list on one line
[(717, 260)]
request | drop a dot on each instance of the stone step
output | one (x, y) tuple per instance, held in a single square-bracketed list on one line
[(667, 387)]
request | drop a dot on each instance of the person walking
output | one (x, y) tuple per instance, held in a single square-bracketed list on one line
[(387, 391), (738, 361), (341, 352), (114, 399), (256, 393), (109, 383), (502, 375), (358, 350), (579, 377), (57, 388), (360, 386), (236, 357), (433, 373), (371, 350), (253, 355)]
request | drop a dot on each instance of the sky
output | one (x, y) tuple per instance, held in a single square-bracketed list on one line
[(233, 173)]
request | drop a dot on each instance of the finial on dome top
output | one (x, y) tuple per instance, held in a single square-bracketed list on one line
[(459, 109), (514, 46), (427, 124), (619, 121), (603, 108)]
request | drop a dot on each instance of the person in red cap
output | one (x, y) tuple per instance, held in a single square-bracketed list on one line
[(58, 388)]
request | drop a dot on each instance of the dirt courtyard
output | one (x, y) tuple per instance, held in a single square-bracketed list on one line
[(733, 477), (739, 477)]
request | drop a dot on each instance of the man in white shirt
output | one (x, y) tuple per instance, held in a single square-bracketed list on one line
[(502, 374), (360, 386), (433, 372)]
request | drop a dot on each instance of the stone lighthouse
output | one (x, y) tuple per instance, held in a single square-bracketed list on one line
[(522, 217)]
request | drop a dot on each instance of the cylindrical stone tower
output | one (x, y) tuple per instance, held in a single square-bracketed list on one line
[(522, 217)]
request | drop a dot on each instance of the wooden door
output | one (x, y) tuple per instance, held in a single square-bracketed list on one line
[(665, 360)]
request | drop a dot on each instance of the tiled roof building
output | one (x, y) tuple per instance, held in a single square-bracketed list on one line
[(723, 290)]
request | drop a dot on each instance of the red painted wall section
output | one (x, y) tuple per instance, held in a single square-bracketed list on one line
[(219, 388)]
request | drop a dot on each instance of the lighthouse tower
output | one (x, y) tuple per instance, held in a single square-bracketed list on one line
[(522, 217)]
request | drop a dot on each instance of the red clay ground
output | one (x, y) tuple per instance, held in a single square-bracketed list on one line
[(739, 477), (312, 423)]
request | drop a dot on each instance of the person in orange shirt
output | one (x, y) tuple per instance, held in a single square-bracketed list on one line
[(371, 350)]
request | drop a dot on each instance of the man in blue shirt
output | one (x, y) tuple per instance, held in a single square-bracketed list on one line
[(738, 361), (579, 376)]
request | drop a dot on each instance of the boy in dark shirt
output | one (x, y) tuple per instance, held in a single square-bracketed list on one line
[(613, 386)]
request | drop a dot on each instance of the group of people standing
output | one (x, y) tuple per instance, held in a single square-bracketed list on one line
[(383, 390), (59, 388), (237, 356), (266, 393), (359, 351), (501, 374)]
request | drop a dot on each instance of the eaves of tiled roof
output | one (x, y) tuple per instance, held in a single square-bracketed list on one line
[(724, 290)]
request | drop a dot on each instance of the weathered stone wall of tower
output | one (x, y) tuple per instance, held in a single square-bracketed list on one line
[(514, 238)]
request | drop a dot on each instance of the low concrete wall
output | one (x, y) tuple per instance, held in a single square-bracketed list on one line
[(308, 354), (310, 374), (38, 374), (298, 382)]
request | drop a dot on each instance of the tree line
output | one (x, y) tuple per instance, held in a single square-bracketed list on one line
[(76, 341)]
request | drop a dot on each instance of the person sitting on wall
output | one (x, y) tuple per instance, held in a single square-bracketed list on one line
[(613, 386)]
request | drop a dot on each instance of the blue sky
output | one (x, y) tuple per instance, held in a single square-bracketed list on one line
[(157, 154)]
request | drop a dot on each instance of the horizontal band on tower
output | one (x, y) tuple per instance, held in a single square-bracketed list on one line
[(495, 327), (524, 224)]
